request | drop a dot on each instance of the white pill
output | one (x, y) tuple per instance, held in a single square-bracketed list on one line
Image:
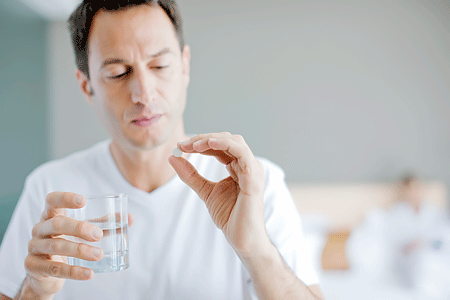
[(177, 152)]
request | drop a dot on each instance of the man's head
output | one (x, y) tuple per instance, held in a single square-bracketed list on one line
[(411, 188), (133, 67), (81, 20)]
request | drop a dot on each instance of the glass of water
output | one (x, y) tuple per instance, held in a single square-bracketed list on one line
[(110, 213)]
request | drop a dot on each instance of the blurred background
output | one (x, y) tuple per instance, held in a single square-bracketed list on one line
[(335, 92)]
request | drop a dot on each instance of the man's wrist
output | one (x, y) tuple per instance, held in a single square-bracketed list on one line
[(27, 291), (265, 253)]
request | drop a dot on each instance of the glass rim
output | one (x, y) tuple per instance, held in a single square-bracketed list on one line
[(108, 196)]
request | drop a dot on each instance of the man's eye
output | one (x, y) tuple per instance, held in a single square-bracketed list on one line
[(160, 67), (120, 75)]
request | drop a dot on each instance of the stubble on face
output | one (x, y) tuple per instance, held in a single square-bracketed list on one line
[(127, 42)]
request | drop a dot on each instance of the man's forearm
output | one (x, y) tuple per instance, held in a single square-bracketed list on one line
[(273, 279)]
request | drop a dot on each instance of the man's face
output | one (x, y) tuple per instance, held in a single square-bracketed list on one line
[(138, 74)]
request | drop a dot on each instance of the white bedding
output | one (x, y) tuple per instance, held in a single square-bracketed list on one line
[(349, 285), (370, 276)]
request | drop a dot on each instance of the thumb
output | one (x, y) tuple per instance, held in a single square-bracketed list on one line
[(189, 175)]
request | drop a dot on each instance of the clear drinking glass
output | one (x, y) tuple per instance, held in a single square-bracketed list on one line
[(110, 213)]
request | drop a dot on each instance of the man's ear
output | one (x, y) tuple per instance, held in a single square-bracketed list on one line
[(85, 85), (186, 59)]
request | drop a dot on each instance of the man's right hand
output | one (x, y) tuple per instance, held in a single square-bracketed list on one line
[(46, 263)]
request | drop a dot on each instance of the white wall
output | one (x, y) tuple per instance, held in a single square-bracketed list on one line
[(23, 101), (355, 91), (73, 125)]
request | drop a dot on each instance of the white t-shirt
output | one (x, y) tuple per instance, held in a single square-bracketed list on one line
[(406, 226), (426, 267), (176, 251)]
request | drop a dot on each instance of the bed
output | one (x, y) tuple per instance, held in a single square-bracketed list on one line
[(330, 212)]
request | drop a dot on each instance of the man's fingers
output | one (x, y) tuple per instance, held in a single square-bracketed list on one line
[(60, 225), (224, 146), (221, 156), (130, 219), (57, 202), (239, 151), (42, 266), (187, 172), (187, 146), (60, 246), (202, 136), (236, 149), (65, 200)]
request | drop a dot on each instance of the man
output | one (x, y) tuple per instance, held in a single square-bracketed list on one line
[(417, 230), (133, 67)]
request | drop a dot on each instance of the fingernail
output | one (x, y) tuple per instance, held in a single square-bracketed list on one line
[(87, 273), (78, 199), (97, 252), (212, 140), (184, 143), (197, 142), (97, 233)]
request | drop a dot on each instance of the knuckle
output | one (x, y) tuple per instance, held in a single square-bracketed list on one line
[(44, 215), (82, 249), (57, 223), (31, 246), (71, 272), (239, 138), (35, 230), (28, 263), (49, 197), (226, 133), (56, 270), (50, 212), (81, 228), (55, 246)]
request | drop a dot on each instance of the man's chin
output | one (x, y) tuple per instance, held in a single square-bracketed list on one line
[(147, 144), (144, 145)]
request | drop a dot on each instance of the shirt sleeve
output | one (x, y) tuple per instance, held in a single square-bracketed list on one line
[(284, 228), (14, 247)]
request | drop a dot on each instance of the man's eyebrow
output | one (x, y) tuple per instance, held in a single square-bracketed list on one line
[(112, 61), (162, 52)]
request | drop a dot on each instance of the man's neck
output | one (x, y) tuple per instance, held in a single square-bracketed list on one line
[(146, 170)]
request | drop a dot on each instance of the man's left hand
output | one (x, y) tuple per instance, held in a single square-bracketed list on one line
[(236, 202)]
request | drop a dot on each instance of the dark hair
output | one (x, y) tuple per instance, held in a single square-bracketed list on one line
[(408, 178), (81, 20)]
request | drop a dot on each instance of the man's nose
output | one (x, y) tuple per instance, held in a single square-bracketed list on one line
[(142, 88)]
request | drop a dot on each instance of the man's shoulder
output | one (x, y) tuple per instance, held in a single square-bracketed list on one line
[(74, 161)]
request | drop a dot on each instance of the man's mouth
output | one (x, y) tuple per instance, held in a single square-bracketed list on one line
[(146, 121)]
